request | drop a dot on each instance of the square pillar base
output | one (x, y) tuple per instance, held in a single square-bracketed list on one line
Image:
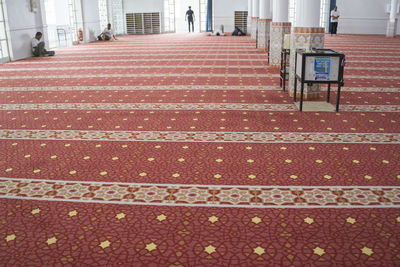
[(254, 27), (303, 37), (277, 35), (391, 28)]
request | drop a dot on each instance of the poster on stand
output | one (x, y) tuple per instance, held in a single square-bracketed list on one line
[(322, 67)]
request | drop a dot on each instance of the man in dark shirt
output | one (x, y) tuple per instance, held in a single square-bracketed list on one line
[(190, 18)]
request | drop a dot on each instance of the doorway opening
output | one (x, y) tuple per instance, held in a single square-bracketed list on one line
[(175, 15), (59, 28), (75, 19)]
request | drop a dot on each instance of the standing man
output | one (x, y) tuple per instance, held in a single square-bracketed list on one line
[(190, 18), (334, 20)]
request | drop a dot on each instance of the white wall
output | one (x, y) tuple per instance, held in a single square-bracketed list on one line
[(91, 20), (142, 6), (363, 16), (23, 25), (224, 12)]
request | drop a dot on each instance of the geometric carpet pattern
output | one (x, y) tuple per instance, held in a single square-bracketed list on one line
[(182, 150)]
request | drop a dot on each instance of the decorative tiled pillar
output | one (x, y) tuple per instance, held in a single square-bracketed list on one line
[(263, 33), (277, 34), (304, 37), (305, 34), (391, 28), (254, 27), (264, 23), (279, 27)]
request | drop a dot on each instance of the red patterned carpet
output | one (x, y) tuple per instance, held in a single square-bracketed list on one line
[(181, 150)]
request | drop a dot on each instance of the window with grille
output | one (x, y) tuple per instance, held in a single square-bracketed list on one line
[(143, 23), (241, 20), (169, 15)]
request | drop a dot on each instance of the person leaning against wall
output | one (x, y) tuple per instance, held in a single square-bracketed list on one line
[(38, 46)]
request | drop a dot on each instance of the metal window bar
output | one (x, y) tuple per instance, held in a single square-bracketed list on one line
[(143, 23)]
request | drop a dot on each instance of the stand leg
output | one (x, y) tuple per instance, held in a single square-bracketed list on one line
[(284, 80), (295, 90), (284, 84), (338, 98), (301, 96), (329, 93)]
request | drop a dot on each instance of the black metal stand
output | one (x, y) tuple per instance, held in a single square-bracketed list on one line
[(303, 80), (284, 67)]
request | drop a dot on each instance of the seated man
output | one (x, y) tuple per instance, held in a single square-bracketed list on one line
[(238, 32), (107, 34), (38, 47)]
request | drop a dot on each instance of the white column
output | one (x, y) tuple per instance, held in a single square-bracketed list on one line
[(249, 13), (280, 11), (393, 10), (280, 26), (307, 13), (306, 33), (392, 23), (264, 24), (255, 14), (249, 8), (256, 8), (265, 9)]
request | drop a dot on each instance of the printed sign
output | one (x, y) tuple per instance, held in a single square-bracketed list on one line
[(322, 68)]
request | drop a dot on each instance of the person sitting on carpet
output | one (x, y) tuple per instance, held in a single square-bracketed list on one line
[(38, 47), (107, 34), (238, 32)]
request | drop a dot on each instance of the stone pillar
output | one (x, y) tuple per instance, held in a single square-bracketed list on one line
[(279, 27), (392, 23), (306, 33), (264, 24), (255, 15), (249, 15)]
